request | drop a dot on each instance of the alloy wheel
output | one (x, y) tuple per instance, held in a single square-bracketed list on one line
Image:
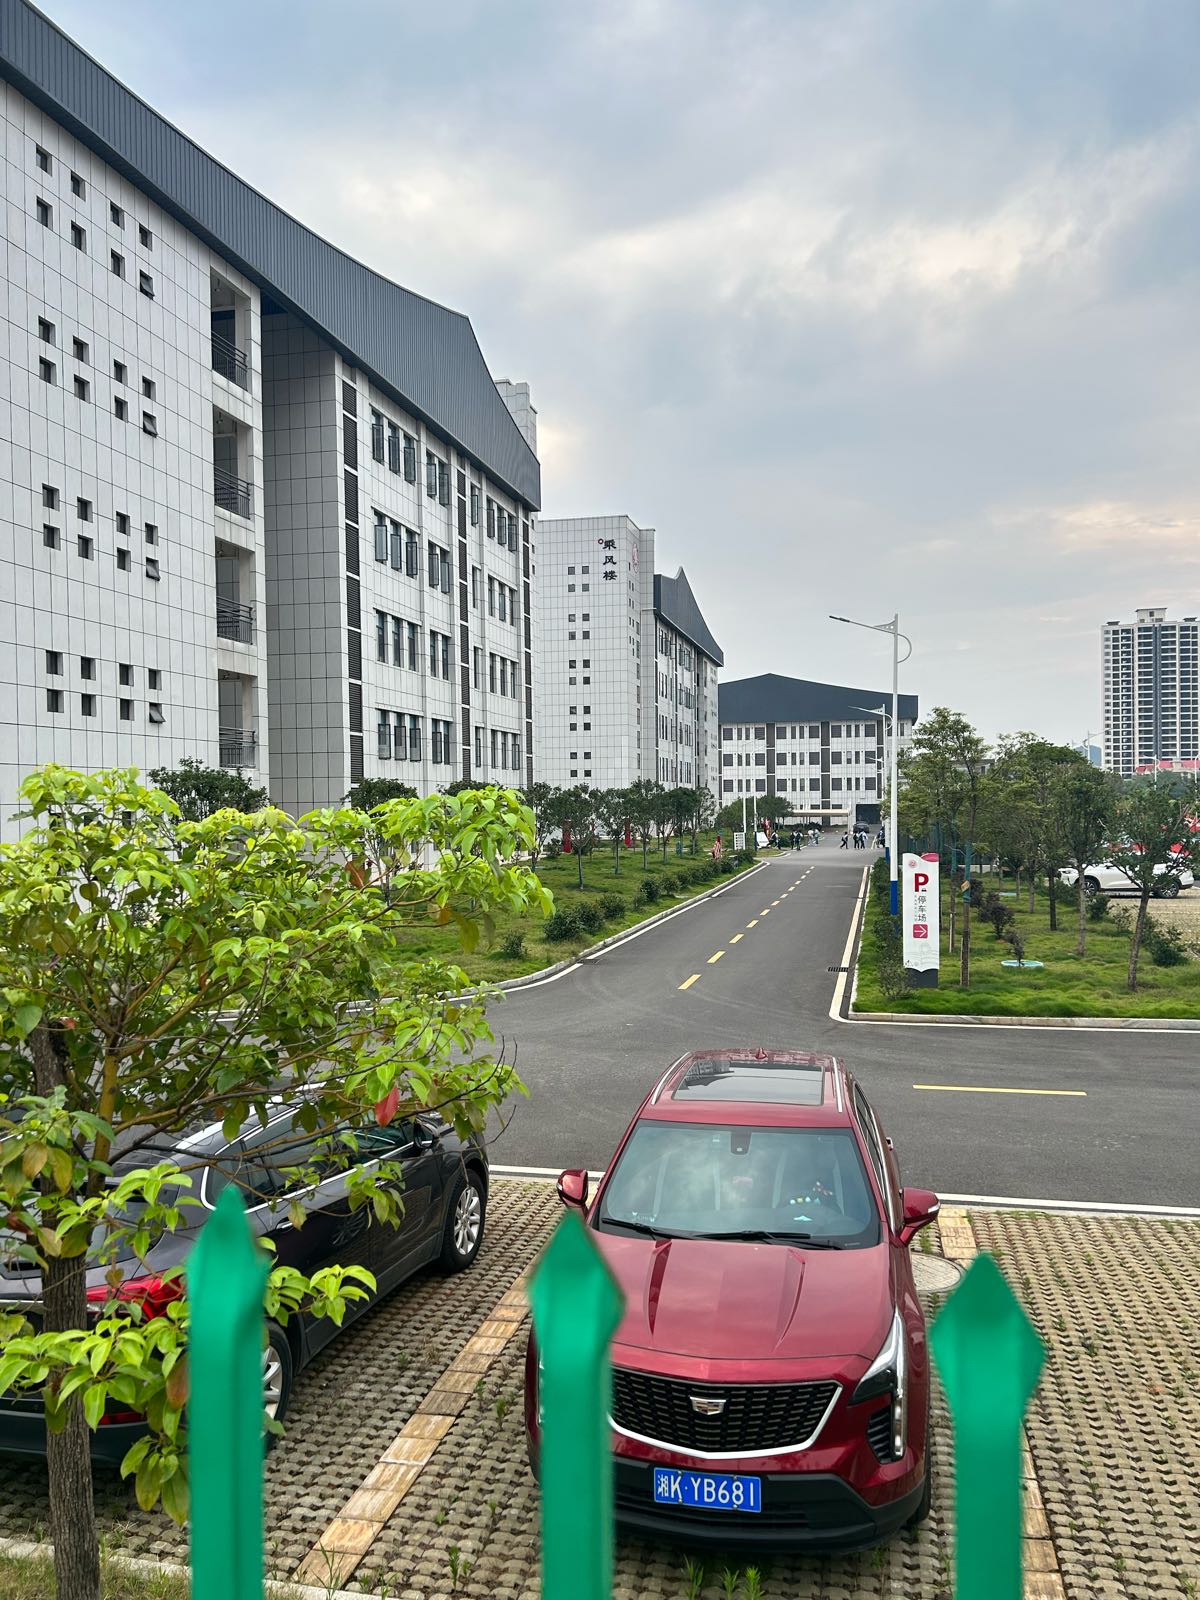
[(468, 1220), (272, 1381)]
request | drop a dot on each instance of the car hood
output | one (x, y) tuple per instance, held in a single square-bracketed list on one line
[(740, 1301)]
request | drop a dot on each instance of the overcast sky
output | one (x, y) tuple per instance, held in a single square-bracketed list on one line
[(863, 304)]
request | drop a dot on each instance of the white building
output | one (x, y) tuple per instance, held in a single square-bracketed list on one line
[(627, 668), (821, 746), (1151, 713), (260, 505)]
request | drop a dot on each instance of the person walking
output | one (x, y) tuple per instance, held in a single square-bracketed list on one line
[(845, 844)]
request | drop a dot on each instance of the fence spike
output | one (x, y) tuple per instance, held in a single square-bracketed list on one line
[(989, 1357)]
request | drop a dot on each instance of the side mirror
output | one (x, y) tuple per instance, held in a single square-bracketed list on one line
[(921, 1207), (573, 1187)]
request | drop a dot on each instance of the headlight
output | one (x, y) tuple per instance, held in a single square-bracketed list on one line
[(888, 1375)]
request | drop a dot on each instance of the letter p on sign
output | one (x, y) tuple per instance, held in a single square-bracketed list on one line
[(920, 880)]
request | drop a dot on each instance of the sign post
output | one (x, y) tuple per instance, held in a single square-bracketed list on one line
[(920, 919)]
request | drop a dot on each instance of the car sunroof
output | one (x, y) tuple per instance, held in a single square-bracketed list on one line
[(723, 1080)]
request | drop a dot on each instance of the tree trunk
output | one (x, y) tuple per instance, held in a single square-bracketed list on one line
[(68, 1453), (579, 862), (953, 908), (1032, 890), (1139, 928), (1052, 887), (1081, 895), (964, 970), (645, 849)]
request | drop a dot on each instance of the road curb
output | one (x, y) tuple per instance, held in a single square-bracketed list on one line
[(509, 984)]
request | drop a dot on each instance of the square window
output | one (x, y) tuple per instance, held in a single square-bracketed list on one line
[(146, 284), (126, 710), (83, 510), (50, 537), (120, 409), (84, 545), (116, 215), (122, 560), (145, 237), (83, 389), (45, 331), (154, 678), (46, 370), (156, 711), (45, 213), (151, 533), (78, 186), (87, 705), (50, 497), (125, 674), (79, 349), (120, 371), (78, 237), (117, 262), (44, 159), (54, 662), (150, 424), (87, 666), (54, 699), (152, 570), (148, 388)]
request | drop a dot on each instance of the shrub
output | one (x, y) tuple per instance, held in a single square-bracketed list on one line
[(994, 910), (648, 891), (889, 963), (613, 906), (553, 850), (514, 945), (672, 883), (725, 866), (1016, 940), (1164, 944), (563, 924), (591, 917), (1097, 907)]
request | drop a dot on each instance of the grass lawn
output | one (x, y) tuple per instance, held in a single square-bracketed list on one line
[(32, 1578), (1067, 985), (561, 877)]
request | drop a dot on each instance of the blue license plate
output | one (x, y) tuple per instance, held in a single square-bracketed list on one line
[(707, 1491)]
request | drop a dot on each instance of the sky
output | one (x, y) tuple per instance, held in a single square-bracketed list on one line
[(865, 305)]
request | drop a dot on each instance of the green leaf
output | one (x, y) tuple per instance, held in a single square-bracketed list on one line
[(135, 1455), (93, 1404), (62, 1169), (175, 1496), (33, 1159), (26, 1019)]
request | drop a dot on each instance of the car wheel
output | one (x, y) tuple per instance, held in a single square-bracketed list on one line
[(1168, 890), (464, 1223), (277, 1374), (1091, 886)]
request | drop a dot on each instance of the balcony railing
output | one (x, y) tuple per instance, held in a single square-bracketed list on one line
[(229, 361), (230, 492), (235, 621), (238, 748)]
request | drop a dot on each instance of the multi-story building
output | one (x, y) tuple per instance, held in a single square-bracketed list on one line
[(627, 667), (1151, 710), (260, 505), (821, 746)]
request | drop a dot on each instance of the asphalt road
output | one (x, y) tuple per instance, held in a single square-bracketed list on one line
[(591, 1043)]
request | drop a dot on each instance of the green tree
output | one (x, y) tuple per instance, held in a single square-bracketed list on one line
[(613, 815), (1084, 800), (368, 793), (1153, 839), (198, 790), (575, 811), (703, 812), (461, 785), (542, 802), (644, 798), (158, 973)]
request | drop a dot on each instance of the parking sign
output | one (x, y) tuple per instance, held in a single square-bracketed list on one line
[(920, 909)]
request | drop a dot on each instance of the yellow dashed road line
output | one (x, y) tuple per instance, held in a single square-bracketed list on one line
[(753, 924), (688, 982), (715, 958), (962, 1088), (736, 937)]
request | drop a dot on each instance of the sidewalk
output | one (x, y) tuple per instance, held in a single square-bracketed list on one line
[(404, 1459)]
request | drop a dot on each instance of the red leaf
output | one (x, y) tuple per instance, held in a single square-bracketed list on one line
[(386, 1108)]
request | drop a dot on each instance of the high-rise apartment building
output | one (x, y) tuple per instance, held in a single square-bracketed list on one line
[(822, 747), (259, 505), (1151, 711), (627, 667)]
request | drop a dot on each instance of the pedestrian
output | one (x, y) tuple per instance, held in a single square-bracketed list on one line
[(716, 849), (879, 839), (845, 844)]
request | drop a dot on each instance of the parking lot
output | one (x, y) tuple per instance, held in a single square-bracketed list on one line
[(1113, 1433)]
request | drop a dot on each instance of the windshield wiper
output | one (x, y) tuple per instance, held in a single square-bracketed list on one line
[(771, 1237), (644, 1227)]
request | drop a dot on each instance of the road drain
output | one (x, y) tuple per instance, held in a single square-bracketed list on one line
[(837, 969)]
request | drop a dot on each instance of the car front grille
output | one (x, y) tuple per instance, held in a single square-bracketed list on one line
[(752, 1418), (879, 1433)]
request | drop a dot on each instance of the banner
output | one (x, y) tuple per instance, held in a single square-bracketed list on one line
[(920, 913)]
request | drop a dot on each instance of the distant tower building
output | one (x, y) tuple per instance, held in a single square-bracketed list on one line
[(1150, 691)]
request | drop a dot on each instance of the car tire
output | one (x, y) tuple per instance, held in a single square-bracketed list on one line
[(465, 1217), (1168, 890), (278, 1368), (1091, 886)]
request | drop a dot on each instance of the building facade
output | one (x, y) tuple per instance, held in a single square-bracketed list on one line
[(627, 667), (822, 747), (1151, 711), (260, 506)]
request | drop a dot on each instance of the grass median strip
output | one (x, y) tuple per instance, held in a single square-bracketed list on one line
[(338, 1552)]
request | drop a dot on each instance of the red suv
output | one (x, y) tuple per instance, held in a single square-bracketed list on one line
[(771, 1370)]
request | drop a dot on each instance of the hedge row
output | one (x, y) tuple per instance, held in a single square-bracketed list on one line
[(589, 916)]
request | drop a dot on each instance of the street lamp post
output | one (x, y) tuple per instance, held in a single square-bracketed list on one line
[(892, 627)]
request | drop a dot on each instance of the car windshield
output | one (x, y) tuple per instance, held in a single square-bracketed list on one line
[(789, 1185)]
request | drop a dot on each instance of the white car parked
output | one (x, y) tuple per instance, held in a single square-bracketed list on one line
[(1109, 879)]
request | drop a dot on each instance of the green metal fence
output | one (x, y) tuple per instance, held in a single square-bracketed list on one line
[(986, 1350)]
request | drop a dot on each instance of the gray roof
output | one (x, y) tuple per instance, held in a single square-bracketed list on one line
[(423, 354), (675, 603), (772, 698)]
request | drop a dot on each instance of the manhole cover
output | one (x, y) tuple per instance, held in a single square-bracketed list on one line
[(934, 1274)]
